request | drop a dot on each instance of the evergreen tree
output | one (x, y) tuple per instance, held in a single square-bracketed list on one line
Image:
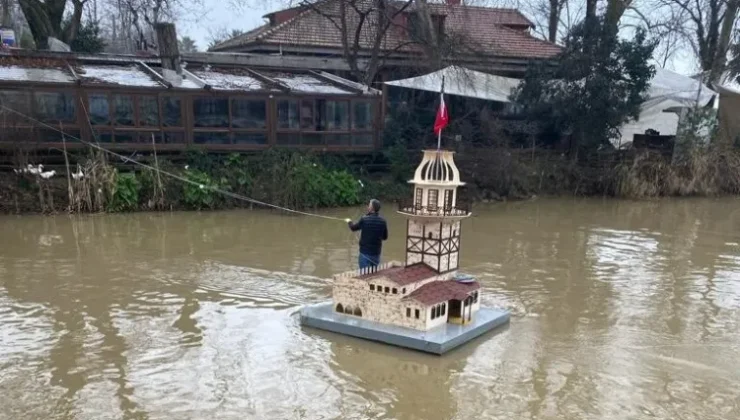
[(598, 83), (88, 39), (187, 45)]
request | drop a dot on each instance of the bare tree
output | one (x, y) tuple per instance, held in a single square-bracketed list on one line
[(46, 19), (703, 26), (362, 26), (217, 36)]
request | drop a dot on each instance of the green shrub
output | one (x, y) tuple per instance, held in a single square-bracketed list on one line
[(124, 195), (200, 195)]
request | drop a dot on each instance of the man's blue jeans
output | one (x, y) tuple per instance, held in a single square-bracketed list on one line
[(368, 260)]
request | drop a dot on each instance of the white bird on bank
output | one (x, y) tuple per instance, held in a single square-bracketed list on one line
[(30, 169), (37, 170), (79, 175), (47, 175)]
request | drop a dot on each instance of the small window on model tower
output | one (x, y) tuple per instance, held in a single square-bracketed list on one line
[(408, 312), (416, 313), (395, 291), (387, 289), (372, 287)]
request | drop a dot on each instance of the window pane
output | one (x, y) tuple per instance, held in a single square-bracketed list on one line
[(171, 113), (125, 137), (248, 113), (55, 106), (148, 111), (99, 109), (211, 138), (146, 137), (288, 139), (307, 114), (16, 100), (312, 139), (175, 137), (16, 135), (211, 112), (47, 135), (250, 138), (363, 139), (337, 115), (338, 139), (124, 109), (288, 114), (362, 116), (104, 137)]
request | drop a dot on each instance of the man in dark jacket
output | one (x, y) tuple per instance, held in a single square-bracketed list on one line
[(374, 232)]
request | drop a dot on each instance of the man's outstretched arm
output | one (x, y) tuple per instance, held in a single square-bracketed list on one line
[(354, 227)]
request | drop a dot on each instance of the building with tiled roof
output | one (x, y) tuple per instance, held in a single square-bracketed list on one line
[(491, 39), (425, 291)]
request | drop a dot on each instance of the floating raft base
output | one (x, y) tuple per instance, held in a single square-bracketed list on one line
[(438, 340)]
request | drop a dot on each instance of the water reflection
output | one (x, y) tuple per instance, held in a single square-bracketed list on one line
[(621, 310)]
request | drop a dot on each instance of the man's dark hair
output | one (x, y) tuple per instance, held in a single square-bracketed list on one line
[(375, 205)]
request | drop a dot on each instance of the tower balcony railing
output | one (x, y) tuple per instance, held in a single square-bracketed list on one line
[(408, 206)]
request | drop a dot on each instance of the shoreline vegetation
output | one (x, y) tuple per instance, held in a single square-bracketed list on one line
[(304, 181)]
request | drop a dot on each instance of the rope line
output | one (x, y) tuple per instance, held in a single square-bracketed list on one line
[(172, 175)]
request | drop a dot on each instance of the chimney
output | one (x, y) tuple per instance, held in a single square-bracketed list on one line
[(169, 53)]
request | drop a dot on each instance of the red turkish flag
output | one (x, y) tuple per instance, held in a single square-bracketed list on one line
[(442, 117)]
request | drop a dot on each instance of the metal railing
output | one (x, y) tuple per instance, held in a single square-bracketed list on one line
[(408, 206)]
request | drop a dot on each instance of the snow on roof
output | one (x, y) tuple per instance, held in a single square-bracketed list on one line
[(32, 74), (225, 81), (117, 75), (185, 83), (351, 84), (462, 82), (307, 84), (94, 70)]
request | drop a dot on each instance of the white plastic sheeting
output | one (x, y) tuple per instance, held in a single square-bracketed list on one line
[(462, 82), (668, 90)]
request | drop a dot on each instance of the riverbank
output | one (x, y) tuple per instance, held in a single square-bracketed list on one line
[(304, 181)]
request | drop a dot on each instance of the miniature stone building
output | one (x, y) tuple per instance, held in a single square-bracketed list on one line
[(425, 291)]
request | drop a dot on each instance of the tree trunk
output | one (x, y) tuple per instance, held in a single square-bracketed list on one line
[(553, 20), (70, 32), (45, 19), (6, 19), (723, 45), (614, 11), (169, 52), (431, 46)]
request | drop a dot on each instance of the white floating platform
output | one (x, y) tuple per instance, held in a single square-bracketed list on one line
[(438, 340)]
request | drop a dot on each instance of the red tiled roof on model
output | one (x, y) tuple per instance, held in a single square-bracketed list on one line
[(442, 291), (484, 30), (403, 275)]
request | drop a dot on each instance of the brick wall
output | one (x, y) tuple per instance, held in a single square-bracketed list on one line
[(386, 308)]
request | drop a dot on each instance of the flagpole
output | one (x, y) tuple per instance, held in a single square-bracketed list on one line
[(442, 98)]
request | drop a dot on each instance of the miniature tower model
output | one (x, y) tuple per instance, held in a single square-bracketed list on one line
[(422, 293), (433, 227), (423, 303)]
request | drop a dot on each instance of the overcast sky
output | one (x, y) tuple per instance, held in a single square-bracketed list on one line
[(247, 14)]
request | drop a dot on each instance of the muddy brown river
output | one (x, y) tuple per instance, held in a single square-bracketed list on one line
[(620, 310)]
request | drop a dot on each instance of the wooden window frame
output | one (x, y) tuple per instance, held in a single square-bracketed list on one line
[(352, 133)]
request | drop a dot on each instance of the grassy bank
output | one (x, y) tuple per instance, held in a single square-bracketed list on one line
[(288, 179), (303, 181)]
